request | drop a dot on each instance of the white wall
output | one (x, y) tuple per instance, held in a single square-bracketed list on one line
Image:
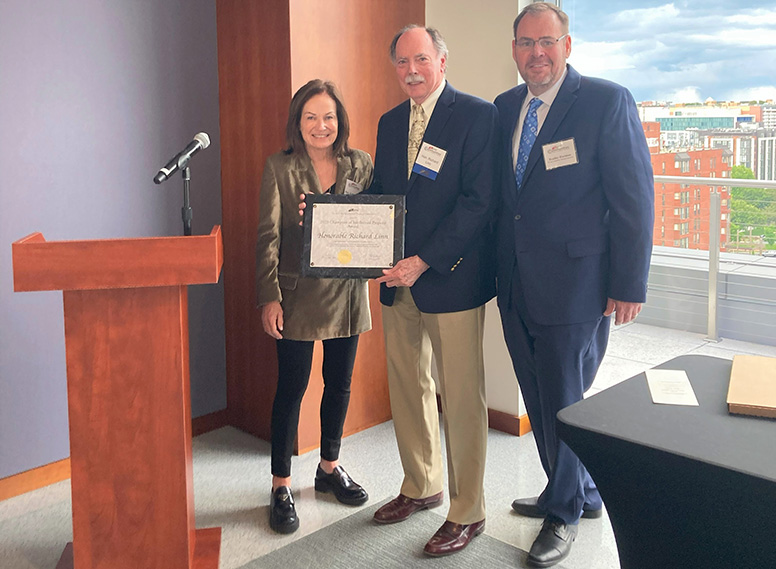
[(95, 96), (479, 38)]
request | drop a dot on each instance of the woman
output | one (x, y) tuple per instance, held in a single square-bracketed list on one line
[(296, 311)]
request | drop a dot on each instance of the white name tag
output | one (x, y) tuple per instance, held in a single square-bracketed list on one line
[(561, 153), (352, 187), (429, 161)]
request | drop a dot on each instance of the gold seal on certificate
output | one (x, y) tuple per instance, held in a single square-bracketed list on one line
[(352, 235)]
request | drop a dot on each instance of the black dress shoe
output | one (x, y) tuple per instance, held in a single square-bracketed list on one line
[(341, 485), (553, 543), (282, 513), (527, 507)]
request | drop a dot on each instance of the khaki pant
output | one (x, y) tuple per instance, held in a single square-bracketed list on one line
[(456, 340)]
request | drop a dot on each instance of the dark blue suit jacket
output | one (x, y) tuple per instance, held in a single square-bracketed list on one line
[(449, 220), (578, 233)]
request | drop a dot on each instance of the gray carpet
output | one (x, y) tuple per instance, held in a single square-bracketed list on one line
[(356, 542)]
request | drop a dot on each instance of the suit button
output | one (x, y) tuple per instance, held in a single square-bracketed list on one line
[(517, 217)]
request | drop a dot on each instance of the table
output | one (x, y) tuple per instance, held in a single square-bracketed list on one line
[(684, 487)]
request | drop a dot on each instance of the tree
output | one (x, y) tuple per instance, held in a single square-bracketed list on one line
[(752, 207), (741, 173)]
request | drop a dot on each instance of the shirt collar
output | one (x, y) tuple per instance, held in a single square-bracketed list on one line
[(431, 101), (549, 95)]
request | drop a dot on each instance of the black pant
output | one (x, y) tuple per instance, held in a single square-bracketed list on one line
[(294, 364)]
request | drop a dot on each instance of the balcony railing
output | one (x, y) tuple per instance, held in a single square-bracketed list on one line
[(759, 272)]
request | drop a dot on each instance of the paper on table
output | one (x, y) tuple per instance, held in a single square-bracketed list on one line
[(670, 387)]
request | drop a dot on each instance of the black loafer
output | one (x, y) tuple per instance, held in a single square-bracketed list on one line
[(282, 513), (553, 544), (528, 507), (341, 485)]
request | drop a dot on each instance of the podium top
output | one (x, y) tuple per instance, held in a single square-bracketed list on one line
[(116, 263)]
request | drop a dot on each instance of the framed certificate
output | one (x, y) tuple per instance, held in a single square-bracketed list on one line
[(347, 236)]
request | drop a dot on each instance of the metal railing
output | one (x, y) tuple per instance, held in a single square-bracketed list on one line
[(714, 231)]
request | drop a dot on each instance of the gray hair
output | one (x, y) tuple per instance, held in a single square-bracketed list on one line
[(537, 8), (436, 39)]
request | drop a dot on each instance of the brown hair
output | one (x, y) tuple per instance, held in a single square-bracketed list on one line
[(305, 93), (538, 8)]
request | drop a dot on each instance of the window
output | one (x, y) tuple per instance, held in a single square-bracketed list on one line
[(696, 164)]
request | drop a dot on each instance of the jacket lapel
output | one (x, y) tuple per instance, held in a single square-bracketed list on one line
[(303, 173), (433, 134), (344, 169), (510, 124), (567, 95)]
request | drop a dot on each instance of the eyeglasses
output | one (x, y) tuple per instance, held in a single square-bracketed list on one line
[(545, 43)]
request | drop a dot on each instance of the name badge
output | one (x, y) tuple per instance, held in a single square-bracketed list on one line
[(561, 153), (352, 188), (429, 161)]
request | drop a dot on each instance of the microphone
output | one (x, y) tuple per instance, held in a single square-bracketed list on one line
[(201, 141)]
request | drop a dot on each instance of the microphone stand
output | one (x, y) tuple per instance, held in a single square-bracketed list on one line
[(186, 213)]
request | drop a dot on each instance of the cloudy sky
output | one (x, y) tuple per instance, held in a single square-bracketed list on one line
[(681, 51)]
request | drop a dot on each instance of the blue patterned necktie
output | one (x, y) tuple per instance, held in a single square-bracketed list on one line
[(527, 139)]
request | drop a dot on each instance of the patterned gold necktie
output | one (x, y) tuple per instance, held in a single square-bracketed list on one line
[(417, 130)]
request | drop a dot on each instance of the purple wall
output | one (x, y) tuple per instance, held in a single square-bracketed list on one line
[(95, 96)]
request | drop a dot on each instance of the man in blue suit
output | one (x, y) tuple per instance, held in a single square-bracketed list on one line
[(439, 149), (574, 244)]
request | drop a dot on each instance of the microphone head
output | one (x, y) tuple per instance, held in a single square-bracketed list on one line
[(203, 139)]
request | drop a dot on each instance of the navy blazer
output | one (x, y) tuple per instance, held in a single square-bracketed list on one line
[(578, 233), (448, 220)]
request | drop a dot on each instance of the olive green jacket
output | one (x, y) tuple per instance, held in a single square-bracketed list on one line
[(313, 308)]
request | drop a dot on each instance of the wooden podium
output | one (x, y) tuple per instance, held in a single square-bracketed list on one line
[(127, 344)]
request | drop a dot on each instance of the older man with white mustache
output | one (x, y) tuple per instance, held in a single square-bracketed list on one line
[(433, 300)]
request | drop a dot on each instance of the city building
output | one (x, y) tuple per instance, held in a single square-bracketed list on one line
[(766, 163), (769, 116), (682, 210)]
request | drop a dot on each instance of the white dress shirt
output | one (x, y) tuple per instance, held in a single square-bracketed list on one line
[(547, 99)]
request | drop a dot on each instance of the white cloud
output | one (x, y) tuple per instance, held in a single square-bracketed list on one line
[(762, 93), (643, 17), (679, 49), (754, 18), (595, 58), (683, 95), (753, 38)]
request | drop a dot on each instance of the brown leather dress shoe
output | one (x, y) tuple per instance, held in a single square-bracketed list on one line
[(402, 507), (452, 537)]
